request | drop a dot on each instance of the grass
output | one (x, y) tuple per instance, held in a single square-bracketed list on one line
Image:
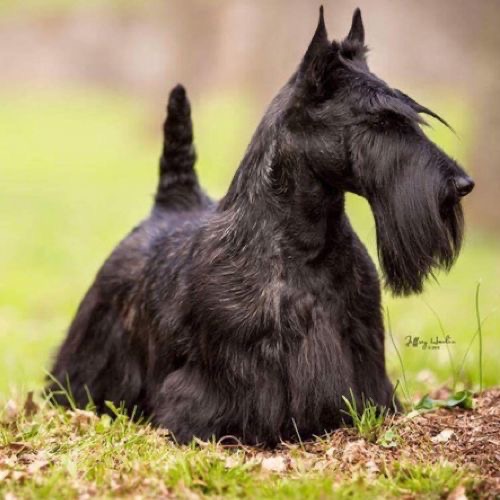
[(429, 481), (57, 454), (368, 420), (404, 385), (78, 171), (480, 332)]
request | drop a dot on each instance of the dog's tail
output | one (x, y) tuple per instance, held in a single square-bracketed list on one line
[(178, 187)]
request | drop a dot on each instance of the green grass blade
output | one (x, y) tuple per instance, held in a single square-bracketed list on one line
[(480, 333), (403, 372)]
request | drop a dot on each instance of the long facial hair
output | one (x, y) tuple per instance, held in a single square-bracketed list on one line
[(419, 225)]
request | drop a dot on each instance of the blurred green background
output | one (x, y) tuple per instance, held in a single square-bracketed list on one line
[(81, 103)]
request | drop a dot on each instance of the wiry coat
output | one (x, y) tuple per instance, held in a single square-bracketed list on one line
[(253, 316)]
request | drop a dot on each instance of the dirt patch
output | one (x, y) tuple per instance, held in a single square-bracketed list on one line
[(467, 438)]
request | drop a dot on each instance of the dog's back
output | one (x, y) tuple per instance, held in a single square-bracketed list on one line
[(101, 359)]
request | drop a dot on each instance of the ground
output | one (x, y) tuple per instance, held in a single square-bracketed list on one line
[(447, 453)]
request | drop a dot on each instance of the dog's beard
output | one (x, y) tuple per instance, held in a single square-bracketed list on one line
[(419, 231)]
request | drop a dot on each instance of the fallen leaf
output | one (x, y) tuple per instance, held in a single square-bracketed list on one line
[(17, 475), (321, 465), (275, 464), (30, 457), (37, 466), (232, 461), (201, 443), (412, 414), (11, 411), (18, 446), (372, 468), (187, 493), (82, 419), (355, 451), (30, 407), (443, 437), (329, 453), (458, 494)]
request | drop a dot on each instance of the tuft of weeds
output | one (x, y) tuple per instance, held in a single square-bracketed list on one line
[(207, 474), (390, 438), (460, 399), (430, 481), (368, 420)]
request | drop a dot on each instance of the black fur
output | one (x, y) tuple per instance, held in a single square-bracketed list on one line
[(253, 316)]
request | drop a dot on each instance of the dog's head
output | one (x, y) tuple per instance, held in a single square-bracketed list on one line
[(358, 134)]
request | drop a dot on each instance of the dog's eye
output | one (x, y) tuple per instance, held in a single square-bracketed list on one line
[(380, 123)]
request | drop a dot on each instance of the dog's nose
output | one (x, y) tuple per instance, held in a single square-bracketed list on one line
[(464, 185)]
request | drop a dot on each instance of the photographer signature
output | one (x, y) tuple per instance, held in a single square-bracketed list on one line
[(433, 344)]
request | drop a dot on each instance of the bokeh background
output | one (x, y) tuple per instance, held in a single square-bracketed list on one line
[(83, 86)]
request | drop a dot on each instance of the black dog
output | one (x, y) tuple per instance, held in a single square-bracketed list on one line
[(253, 316)]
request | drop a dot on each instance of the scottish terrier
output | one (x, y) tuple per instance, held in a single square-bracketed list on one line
[(254, 315)]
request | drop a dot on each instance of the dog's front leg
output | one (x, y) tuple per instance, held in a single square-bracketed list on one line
[(192, 404), (188, 405)]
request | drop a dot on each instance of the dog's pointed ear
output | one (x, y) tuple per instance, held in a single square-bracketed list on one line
[(319, 42), (357, 31), (315, 62)]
